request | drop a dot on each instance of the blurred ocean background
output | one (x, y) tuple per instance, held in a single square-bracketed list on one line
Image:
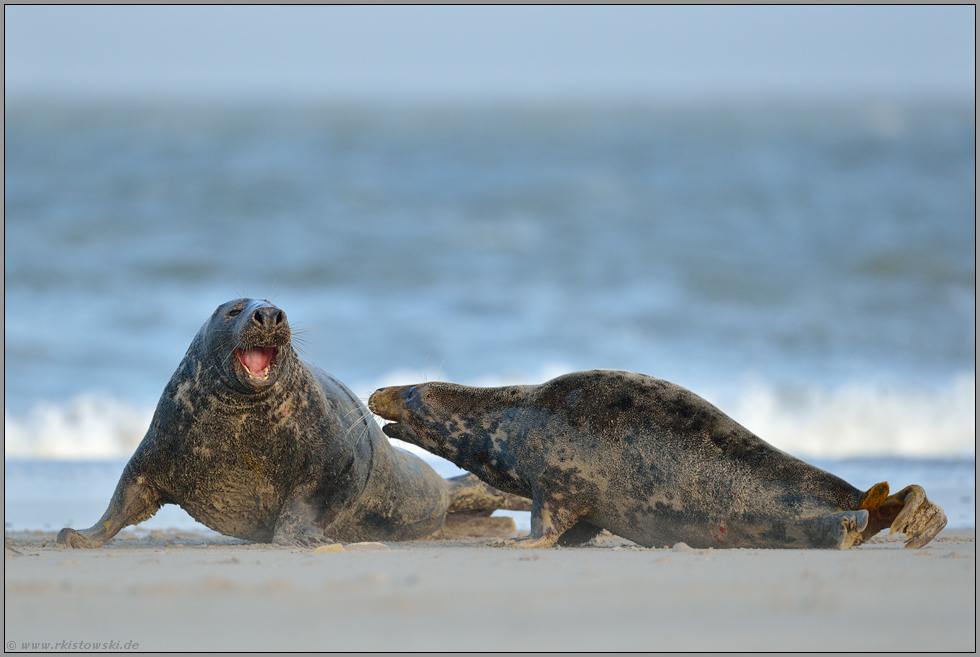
[(806, 264), (809, 269)]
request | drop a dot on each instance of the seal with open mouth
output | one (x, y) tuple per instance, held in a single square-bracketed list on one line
[(647, 460), (254, 443)]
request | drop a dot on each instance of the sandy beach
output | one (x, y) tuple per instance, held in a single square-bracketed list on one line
[(170, 590)]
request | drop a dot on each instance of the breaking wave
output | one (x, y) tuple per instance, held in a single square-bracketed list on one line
[(850, 420)]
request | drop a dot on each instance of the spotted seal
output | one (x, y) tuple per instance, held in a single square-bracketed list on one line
[(254, 443), (646, 459)]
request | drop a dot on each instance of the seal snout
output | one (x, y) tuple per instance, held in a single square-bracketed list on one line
[(268, 317), (399, 404), (389, 403), (261, 331)]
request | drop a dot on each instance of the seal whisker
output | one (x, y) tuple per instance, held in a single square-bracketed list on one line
[(300, 340), (360, 424), (380, 421), (230, 347), (362, 433), (296, 329), (356, 409), (302, 351), (350, 429), (364, 423)]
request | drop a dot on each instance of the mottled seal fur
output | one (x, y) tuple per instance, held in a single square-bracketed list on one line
[(254, 443), (647, 460)]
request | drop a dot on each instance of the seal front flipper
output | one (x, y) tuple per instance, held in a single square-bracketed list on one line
[(296, 525), (132, 502), (305, 536), (551, 521), (837, 530)]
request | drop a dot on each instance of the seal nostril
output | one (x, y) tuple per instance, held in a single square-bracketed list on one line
[(279, 317), (257, 317)]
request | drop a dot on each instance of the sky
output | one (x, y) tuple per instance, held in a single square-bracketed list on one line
[(507, 53)]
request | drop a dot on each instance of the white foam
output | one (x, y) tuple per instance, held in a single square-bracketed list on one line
[(863, 420), (852, 419), (89, 427)]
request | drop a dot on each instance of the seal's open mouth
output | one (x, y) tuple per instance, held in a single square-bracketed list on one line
[(397, 430), (256, 360)]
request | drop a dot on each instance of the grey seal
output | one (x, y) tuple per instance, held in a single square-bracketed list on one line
[(255, 443), (646, 459)]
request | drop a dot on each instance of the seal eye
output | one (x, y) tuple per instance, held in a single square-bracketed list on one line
[(234, 312)]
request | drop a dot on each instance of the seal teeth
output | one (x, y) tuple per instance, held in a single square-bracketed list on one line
[(256, 360)]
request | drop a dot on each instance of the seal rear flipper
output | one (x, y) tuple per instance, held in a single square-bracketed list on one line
[(470, 495), (920, 519), (132, 502), (473, 525), (471, 503), (908, 511)]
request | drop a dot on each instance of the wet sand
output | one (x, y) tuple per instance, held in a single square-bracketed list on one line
[(182, 591)]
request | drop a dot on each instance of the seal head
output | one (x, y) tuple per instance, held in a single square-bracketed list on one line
[(246, 338)]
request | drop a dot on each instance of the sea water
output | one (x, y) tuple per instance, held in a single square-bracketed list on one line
[(808, 268)]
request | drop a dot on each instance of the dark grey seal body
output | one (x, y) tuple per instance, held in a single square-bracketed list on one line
[(647, 460), (254, 443)]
